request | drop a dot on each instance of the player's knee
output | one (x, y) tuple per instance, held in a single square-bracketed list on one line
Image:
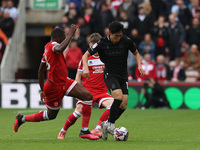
[(123, 106), (119, 97)]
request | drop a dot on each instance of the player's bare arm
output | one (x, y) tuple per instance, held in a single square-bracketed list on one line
[(41, 71), (61, 47), (86, 71), (78, 76), (138, 60)]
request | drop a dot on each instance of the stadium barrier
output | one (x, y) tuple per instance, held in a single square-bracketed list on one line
[(26, 95)]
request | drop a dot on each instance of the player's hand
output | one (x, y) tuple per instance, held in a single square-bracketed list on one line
[(42, 97), (73, 28), (141, 70), (86, 73)]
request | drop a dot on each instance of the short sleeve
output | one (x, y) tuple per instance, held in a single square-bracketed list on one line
[(132, 46), (43, 59), (80, 66)]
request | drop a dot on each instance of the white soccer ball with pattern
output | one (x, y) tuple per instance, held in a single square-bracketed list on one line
[(120, 134)]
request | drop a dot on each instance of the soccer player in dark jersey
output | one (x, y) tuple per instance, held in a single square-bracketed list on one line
[(113, 51), (58, 84)]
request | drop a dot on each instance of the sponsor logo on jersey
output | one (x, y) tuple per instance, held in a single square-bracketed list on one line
[(95, 45)]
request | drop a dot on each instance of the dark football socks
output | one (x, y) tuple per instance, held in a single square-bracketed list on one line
[(114, 111), (119, 113)]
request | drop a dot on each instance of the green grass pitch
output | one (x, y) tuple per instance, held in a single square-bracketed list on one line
[(153, 129)]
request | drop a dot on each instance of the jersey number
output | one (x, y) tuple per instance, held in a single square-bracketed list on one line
[(48, 65)]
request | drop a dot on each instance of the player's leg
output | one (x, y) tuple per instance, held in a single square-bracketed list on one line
[(37, 117), (105, 115), (71, 120), (86, 110), (115, 88), (124, 88), (122, 107), (79, 92)]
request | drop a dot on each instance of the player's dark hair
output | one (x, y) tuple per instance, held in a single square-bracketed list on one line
[(94, 37), (57, 32), (115, 27)]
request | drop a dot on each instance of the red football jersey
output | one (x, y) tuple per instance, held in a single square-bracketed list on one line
[(95, 83), (56, 65), (150, 71)]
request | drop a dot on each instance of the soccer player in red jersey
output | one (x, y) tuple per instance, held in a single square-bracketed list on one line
[(94, 84), (57, 84)]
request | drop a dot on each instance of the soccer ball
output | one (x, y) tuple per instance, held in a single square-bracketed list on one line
[(120, 134)]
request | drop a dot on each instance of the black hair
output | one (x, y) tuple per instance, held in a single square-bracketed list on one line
[(115, 27), (57, 32)]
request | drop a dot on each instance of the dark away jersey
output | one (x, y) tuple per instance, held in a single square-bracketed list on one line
[(114, 56)]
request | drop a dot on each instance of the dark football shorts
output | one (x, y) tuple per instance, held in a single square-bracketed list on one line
[(114, 83)]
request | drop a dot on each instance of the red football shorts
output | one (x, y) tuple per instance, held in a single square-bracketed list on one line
[(98, 98), (55, 93)]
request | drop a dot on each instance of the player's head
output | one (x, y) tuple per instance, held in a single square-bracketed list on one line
[(58, 35), (116, 31), (94, 38)]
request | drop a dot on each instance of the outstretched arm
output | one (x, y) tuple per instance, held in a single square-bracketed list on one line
[(86, 71), (61, 47), (138, 60)]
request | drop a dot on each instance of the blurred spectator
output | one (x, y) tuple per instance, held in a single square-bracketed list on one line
[(178, 72), (7, 24), (106, 32), (66, 29), (101, 19), (194, 7), (168, 5), (114, 6), (149, 68), (72, 57), (131, 9), (193, 33), (176, 36), (147, 46), (81, 40), (1, 15), (135, 37), (184, 14), (12, 10), (159, 32), (162, 69), (137, 2), (72, 16), (88, 14), (3, 43), (3, 5), (149, 11), (159, 7), (84, 28), (126, 23), (87, 4), (192, 59), (64, 23), (77, 3), (142, 23), (156, 98)]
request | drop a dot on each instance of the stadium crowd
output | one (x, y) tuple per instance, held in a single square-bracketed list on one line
[(8, 18), (167, 30)]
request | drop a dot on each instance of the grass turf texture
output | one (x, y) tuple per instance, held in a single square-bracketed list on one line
[(152, 129)]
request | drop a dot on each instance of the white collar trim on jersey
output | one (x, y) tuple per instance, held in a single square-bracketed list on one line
[(95, 56)]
